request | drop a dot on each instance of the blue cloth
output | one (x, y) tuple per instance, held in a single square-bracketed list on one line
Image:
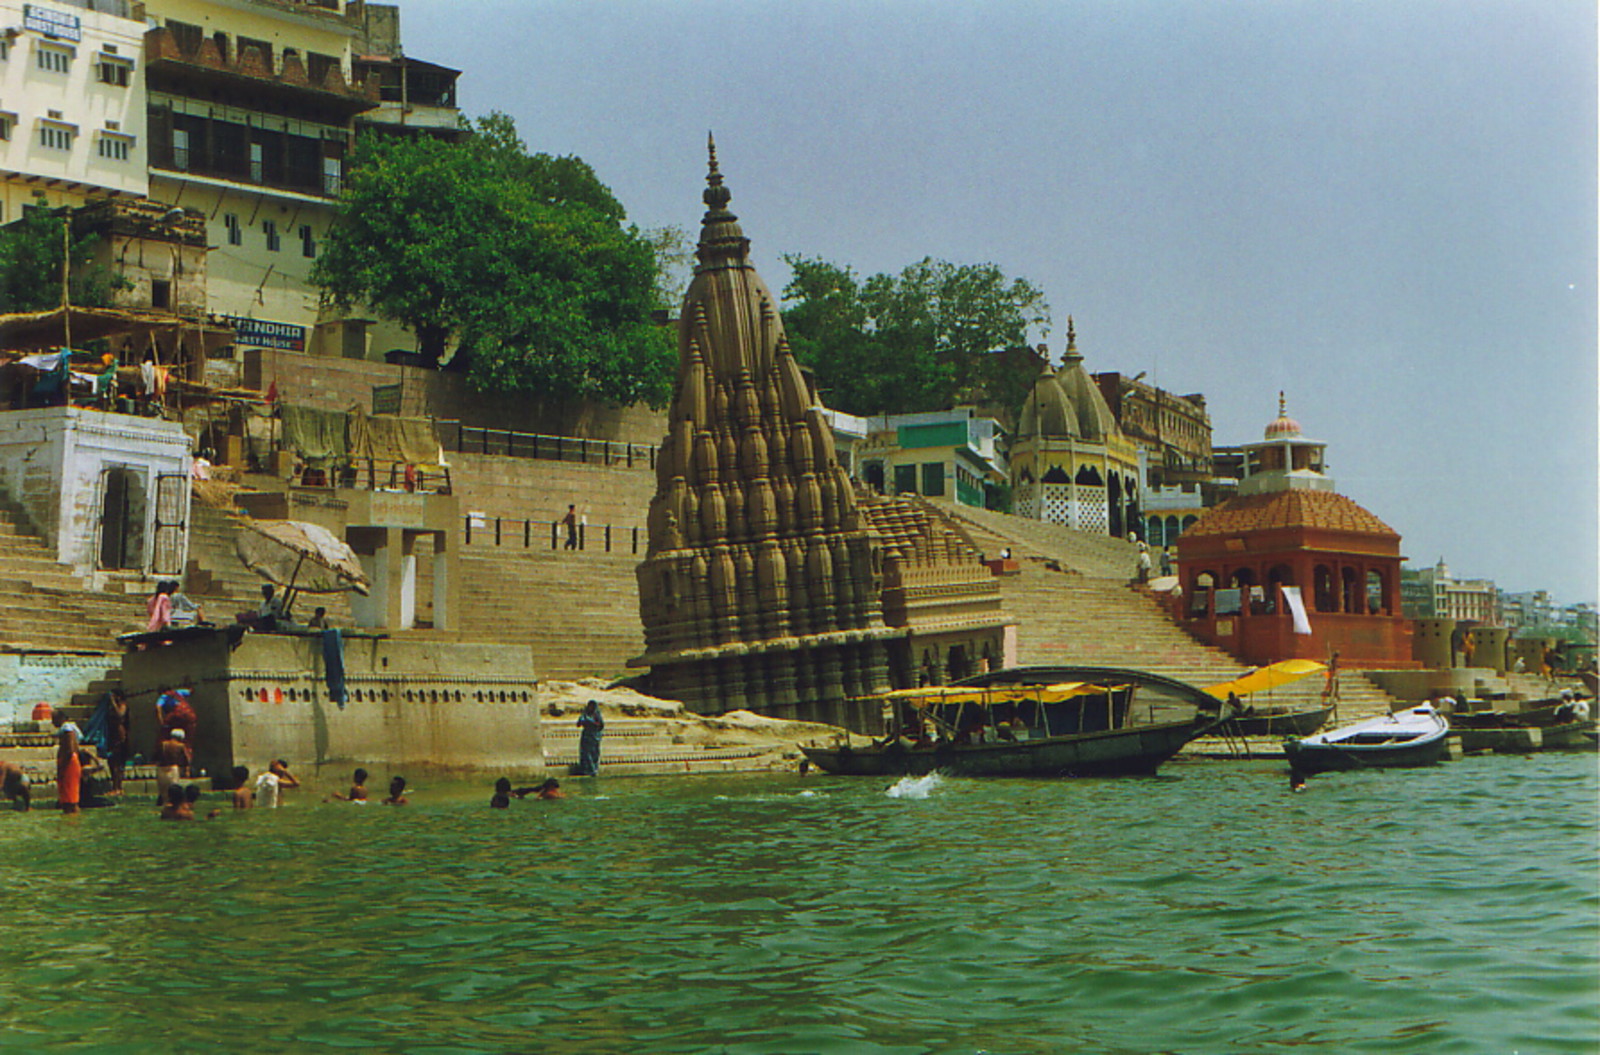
[(97, 730), (333, 664)]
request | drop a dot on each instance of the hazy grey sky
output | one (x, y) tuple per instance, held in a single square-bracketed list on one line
[(1385, 208)]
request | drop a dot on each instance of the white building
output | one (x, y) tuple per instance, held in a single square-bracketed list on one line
[(72, 103)]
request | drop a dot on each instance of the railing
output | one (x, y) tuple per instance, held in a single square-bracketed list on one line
[(474, 439), (528, 534), (369, 474)]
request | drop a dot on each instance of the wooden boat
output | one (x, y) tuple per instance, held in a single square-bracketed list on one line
[(1065, 729), (1274, 721), (1413, 737)]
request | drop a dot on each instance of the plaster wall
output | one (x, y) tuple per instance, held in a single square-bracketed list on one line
[(52, 460), (412, 703), (54, 679)]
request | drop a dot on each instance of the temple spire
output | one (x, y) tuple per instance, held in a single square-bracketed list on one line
[(1071, 355)]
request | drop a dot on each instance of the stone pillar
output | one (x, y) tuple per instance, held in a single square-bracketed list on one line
[(444, 582)]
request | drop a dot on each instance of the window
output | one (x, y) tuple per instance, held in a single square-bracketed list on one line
[(180, 149), (262, 48), (5, 49), (187, 34), (332, 175), (905, 479), (113, 148), (317, 66), (933, 479), (308, 244), (6, 121), (56, 137), (160, 293), (115, 71), (257, 162), (271, 229), (53, 59), (235, 232)]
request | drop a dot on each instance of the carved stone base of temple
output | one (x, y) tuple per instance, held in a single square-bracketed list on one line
[(816, 678)]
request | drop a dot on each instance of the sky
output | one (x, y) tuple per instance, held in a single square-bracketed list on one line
[(1386, 210)]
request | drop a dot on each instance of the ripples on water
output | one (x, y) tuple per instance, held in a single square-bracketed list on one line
[(1208, 910)]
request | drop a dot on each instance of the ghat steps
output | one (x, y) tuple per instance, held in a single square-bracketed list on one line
[(45, 605)]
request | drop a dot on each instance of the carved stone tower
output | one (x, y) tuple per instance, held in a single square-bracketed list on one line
[(761, 588)]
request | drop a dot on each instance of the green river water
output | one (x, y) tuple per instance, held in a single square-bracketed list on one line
[(1208, 910)]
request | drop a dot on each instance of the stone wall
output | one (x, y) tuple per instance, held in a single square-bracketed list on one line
[(53, 679), (334, 384), (412, 703)]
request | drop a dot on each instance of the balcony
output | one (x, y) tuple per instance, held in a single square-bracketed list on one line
[(249, 81)]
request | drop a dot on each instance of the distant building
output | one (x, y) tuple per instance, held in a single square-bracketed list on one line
[(414, 97), (1432, 593), (1071, 463), (952, 454)]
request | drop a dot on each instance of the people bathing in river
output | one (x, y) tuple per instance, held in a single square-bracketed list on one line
[(397, 793), (550, 789), (591, 726), (16, 787), (280, 769), (502, 795), (175, 805), (174, 715), (358, 788), (243, 797), (171, 758)]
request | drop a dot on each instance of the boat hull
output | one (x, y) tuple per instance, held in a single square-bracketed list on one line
[(1299, 723), (1327, 758), (1132, 751)]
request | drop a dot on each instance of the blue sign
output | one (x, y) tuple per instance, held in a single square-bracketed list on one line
[(259, 333), (58, 25)]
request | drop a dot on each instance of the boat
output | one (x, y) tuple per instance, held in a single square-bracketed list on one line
[(1412, 737), (1274, 721), (1061, 729)]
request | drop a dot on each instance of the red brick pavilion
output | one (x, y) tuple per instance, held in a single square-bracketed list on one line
[(1288, 568)]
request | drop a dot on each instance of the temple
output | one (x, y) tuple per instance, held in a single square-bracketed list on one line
[(762, 584), (1288, 568), (1071, 463)]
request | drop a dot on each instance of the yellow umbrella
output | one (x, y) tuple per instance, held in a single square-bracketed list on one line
[(1271, 677), (933, 694)]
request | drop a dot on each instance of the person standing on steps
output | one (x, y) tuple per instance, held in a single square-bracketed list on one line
[(69, 770), (591, 726), (570, 522)]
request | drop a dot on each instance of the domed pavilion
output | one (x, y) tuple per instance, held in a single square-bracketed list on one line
[(1289, 568), (1070, 462)]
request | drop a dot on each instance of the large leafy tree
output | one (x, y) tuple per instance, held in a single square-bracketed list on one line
[(521, 263), (30, 265), (919, 340)]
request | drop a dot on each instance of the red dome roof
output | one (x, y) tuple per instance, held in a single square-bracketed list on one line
[(1287, 509)]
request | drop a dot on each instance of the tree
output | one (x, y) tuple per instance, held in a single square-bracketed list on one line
[(30, 265), (523, 263), (920, 340)]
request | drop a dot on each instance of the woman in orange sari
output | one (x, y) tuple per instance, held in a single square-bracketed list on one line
[(69, 770)]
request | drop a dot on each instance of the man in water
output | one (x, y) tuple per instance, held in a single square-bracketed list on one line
[(397, 792), (551, 789), (16, 787), (243, 797), (280, 769), (502, 795), (171, 757), (267, 790), (358, 788)]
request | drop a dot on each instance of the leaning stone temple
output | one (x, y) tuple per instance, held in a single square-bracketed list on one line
[(761, 587)]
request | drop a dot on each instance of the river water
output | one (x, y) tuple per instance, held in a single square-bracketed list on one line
[(1207, 910)]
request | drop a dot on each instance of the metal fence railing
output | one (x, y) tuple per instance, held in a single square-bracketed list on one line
[(475, 439), (511, 532)]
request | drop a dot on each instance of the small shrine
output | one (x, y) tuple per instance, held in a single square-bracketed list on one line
[(1070, 462), (761, 588), (1289, 568)]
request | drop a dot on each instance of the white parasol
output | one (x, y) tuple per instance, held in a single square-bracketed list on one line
[(305, 557)]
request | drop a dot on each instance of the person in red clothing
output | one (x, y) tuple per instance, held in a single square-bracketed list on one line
[(69, 770), (159, 607), (173, 711)]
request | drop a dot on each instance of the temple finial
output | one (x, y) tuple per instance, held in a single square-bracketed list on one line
[(1072, 336), (1283, 405), (716, 196)]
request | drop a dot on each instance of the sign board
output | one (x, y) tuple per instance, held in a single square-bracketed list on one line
[(57, 25), (386, 399), (260, 333)]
